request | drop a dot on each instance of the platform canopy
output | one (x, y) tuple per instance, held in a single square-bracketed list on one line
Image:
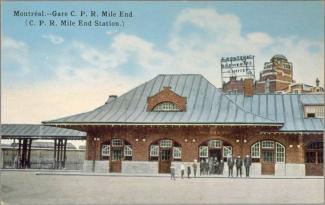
[(34, 131)]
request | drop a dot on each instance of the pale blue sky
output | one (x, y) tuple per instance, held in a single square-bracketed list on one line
[(259, 27)]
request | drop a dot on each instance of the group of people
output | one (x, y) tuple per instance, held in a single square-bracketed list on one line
[(214, 166), (211, 166), (247, 162)]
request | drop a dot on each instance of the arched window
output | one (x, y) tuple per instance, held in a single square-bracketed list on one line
[(118, 149), (105, 150), (166, 107), (268, 148), (314, 152), (165, 149)]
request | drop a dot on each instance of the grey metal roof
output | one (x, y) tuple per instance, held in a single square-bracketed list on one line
[(312, 99), (287, 108), (10, 131), (205, 105)]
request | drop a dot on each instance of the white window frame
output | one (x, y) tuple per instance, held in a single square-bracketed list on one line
[(117, 143), (154, 150), (177, 152), (204, 151), (128, 151), (106, 150), (166, 106), (226, 149), (215, 143), (256, 150), (265, 142), (279, 145), (166, 143)]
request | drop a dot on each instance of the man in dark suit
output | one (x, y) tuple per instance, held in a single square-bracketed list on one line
[(247, 164), (230, 162), (239, 164)]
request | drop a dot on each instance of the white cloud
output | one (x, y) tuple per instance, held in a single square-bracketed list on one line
[(15, 53), (86, 75), (54, 38)]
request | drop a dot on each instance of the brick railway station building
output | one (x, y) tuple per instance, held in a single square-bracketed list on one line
[(179, 118)]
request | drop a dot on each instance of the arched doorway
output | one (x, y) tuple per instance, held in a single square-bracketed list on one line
[(115, 151), (211, 153), (216, 149), (165, 151), (268, 152), (314, 158)]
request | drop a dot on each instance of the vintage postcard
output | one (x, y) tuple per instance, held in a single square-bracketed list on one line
[(162, 102)]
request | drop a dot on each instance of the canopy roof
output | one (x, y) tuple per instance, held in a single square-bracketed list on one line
[(11, 131)]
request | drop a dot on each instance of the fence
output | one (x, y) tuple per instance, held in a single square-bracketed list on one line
[(69, 165)]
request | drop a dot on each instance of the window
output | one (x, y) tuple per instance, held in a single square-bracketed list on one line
[(117, 154), (214, 144), (154, 151), (203, 152), (267, 86), (166, 143), (105, 150), (315, 145), (311, 115), (255, 150), (165, 155), (177, 152), (268, 144), (280, 153), (117, 142), (314, 152), (268, 156), (128, 151), (314, 111), (227, 150), (166, 107), (311, 157)]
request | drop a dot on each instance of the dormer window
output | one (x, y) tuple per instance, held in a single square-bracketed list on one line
[(314, 111), (166, 101), (166, 107)]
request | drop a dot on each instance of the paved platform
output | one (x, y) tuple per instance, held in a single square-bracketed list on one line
[(20, 187)]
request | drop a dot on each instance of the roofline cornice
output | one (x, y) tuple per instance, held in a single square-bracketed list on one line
[(160, 124)]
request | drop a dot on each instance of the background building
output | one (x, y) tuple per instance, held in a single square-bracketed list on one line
[(276, 75)]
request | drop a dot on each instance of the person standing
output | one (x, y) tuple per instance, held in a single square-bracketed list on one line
[(210, 165), (172, 172), (206, 166), (230, 162), (247, 164), (239, 164), (216, 169), (182, 170), (194, 167), (221, 166), (188, 171), (202, 167)]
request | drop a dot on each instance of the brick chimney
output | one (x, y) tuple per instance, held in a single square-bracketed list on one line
[(111, 98), (249, 87)]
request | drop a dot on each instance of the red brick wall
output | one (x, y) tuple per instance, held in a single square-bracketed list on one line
[(232, 85), (185, 135)]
